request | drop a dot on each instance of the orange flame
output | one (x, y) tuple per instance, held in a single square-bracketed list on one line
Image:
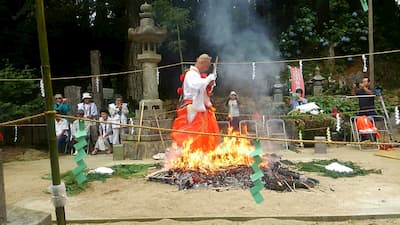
[(232, 152)]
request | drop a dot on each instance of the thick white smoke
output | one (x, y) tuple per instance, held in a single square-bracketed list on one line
[(235, 33)]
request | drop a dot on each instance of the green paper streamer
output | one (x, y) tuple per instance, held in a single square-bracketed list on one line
[(364, 5), (258, 174), (79, 171)]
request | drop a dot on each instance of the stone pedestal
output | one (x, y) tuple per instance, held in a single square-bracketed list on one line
[(150, 141), (18, 216), (320, 147)]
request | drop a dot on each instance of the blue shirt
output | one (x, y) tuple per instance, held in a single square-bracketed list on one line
[(366, 103)]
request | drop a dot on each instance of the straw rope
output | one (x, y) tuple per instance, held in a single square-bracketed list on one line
[(199, 133), (188, 63)]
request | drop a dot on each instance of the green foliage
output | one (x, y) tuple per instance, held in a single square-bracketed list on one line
[(346, 30), (18, 98), (175, 19), (327, 102), (124, 171), (318, 166)]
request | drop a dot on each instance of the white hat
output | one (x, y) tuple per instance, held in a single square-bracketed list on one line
[(86, 95), (233, 93), (58, 96)]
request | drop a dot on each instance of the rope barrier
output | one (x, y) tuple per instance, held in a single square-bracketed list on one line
[(191, 63), (231, 135), (198, 133)]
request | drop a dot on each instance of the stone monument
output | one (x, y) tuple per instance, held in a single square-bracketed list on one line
[(144, 142)]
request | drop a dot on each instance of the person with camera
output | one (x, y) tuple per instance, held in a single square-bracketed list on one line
[(366, 103), (119, 114), (61, 104), (298, 98)]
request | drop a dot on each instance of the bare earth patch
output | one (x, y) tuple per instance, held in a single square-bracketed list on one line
[(129, 199)]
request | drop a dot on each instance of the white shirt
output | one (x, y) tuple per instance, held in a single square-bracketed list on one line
[(61, 127), (233, 108), (106, 128), (89, 109), (118, 115), (194, 88), (75, 127)]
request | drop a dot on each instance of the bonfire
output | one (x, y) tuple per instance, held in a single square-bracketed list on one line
[(226, 166)]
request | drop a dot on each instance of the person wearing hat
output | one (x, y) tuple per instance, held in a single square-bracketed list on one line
[(298, 98), (61, 105), (90, 112), (233, 110)]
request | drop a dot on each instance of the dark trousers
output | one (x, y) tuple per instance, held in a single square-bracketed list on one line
[(60, 141)]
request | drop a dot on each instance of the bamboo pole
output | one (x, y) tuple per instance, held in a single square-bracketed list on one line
[(371, 43), (3, 209), (50, 117)]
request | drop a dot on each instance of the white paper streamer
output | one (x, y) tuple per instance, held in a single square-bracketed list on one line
[(254, 71), (97, 84), (338, 122), (397, 115), (15, 134), (158, 77), (328, 134), (42, 88), (301, 65), (132, 130), (364, 59), (301, 144)]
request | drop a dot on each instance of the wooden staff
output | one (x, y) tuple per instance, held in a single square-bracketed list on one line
[(159, 131), (140, 122)]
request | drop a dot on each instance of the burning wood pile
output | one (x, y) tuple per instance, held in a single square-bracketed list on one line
[(227, 166), (277, 177)]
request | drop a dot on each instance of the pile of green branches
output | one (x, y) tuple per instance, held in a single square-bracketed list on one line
[(318, 166), (124, 171)]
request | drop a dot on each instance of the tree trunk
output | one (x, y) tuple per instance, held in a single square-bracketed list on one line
[(330, 63)]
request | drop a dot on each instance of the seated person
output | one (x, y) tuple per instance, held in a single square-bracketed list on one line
[(105, 135), (298, 98), (61, 126)]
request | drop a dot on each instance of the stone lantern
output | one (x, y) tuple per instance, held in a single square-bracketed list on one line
[(149, 37), (277, 91), (317, 82)]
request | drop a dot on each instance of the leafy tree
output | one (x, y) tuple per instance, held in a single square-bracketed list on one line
[(176, 20), (344, 32), (18, 98)]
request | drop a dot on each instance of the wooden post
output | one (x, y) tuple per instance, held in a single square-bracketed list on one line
[(371, 43), (3, 211), (95, 62)]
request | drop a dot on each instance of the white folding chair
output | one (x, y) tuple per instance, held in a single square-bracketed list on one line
[(276, 128)]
